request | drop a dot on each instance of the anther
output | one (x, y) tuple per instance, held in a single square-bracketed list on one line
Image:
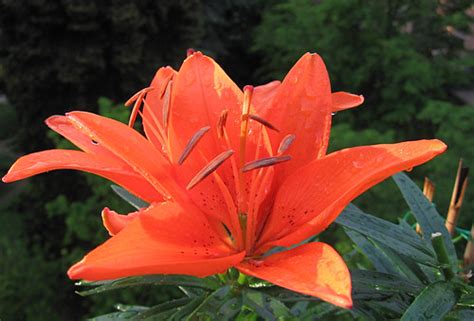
[(264, 162), (192, 143), (221, 123), (209, 168), (190, 52), (263, 122), (285, 143)]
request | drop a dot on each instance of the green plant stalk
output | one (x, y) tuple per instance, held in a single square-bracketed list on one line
[(243, 279), (437, 239)]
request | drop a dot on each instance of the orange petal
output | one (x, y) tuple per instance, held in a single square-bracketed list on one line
[(302, 107), (342, 100), (201, 91), (64, 126), (151, 244), (131, 147), (314, 269), (153, 110), (48, 160), (312, 197), (115, 222), (263, 96)]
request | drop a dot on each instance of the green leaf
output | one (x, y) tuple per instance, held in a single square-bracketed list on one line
[(129, 197), (130, 308), (425, 213), (219, 305), (320, 310), (432, 303), (163, 311), (184, 280), (460, 315), (406, 265), (377, 281), (467, 300), (375, 255), (386, 233), (183, 312), (116, 316), (265, 306)]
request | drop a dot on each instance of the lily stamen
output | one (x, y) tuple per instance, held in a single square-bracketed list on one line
[(167, 104), (209, 168), (138, 99), (285, 143), (192, 143), (132, 99), (221, 123), (263, 122), (264, 162)]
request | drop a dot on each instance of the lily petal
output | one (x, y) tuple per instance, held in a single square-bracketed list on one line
[(151, 245), (314, 269), (115, 222), (131, 147), (342, 100), (65, 127), (312, 197), (263, 96), (302, 107), (40, 162), (201, 91)]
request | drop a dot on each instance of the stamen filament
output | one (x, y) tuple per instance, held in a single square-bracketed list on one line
[(159, 126), (221, 123), (209, 168), (167, 104), (248, 91), (192, 143), (264, 162), (135, 96), (233, 219), (154, 131), (136, 108)]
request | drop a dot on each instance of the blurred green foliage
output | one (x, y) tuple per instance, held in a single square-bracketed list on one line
[(60, 55)]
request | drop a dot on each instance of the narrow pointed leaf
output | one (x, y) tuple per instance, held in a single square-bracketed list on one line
[(379, 260), (265, 306), (433, 303), (115, 316), (425, 213), (460, 315), (383, 282), (386, 233), (162, 311), (186, 280), (219, 305), (129, 197)]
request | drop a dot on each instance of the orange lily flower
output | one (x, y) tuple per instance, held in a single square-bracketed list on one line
[(229, 175)]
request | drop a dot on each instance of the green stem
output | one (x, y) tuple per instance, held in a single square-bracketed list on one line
[(242, 279), (437, 239)]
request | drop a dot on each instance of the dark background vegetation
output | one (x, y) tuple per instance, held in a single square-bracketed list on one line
[(410, 59)]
